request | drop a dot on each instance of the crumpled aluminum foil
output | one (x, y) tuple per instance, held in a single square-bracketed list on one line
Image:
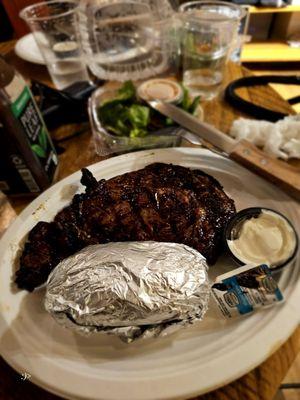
[(130, 289)]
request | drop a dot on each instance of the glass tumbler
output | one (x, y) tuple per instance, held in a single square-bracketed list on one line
[(55, 28), (209, 31), (128, 39)]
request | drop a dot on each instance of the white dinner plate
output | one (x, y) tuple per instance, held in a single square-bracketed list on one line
[(27, 48), (193, 361)]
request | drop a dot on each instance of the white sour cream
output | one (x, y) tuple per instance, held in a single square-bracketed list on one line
[(267, 239)]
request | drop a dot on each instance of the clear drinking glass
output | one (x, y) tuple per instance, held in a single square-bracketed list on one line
[(209, 30), (128, 39), (55, 28)]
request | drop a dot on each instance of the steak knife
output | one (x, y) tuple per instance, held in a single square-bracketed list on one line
[(243, 152)]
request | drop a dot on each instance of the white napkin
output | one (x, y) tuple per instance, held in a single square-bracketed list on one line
[(280, 139)]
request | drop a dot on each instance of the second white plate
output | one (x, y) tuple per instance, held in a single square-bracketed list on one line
[(27, 48)]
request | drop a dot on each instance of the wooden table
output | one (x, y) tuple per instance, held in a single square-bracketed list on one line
[(261, 383)]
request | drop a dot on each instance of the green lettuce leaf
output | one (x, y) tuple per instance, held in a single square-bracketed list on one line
[(127, 91), (116, 117), (125, 94), (139, 116), (186, 101), (194, 105)]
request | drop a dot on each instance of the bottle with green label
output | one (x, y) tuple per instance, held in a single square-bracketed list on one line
[(28, 160)]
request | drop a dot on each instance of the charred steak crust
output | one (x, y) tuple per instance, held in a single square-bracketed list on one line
[(161, 202)]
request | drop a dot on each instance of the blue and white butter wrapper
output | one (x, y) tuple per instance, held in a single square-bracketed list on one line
[(245, 290)]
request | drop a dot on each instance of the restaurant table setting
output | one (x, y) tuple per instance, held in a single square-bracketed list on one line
[(155, 254)]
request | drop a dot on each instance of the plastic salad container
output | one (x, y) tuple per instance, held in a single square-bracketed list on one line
[(106, 143)]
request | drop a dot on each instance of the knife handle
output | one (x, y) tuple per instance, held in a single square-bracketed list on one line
[(278, 172)]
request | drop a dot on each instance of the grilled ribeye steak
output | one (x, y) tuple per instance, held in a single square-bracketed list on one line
[(161, 202)]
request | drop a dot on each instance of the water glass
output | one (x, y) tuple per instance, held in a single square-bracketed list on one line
[(128, 39), (55, 28), (209, 30)]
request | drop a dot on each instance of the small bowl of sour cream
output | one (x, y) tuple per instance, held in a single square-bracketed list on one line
[(261, 236)]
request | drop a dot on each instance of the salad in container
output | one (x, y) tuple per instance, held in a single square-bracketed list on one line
[(122, 121)]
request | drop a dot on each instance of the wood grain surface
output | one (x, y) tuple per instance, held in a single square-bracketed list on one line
[(259, 384), (281, 174)]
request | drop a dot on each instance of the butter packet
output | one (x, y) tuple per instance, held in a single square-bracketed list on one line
[(245, 289)]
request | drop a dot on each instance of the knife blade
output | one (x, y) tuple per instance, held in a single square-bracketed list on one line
[(201, 129), (243, 152)]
